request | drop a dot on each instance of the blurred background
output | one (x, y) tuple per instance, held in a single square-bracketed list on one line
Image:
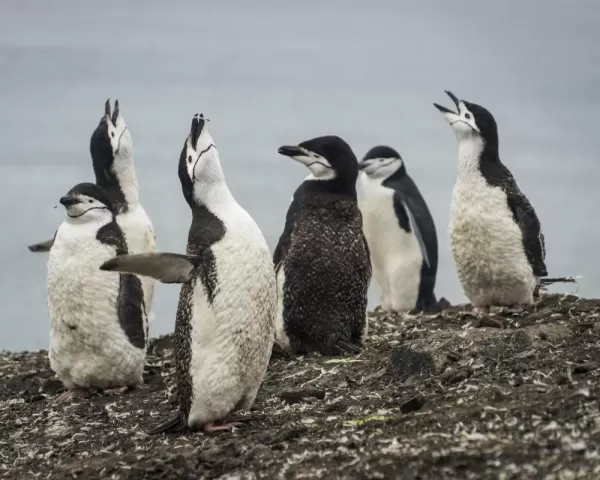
[(269, 73)]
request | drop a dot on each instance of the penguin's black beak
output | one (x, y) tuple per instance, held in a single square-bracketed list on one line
[(364, 164), (290, 151), (447, 110), (68, 201)]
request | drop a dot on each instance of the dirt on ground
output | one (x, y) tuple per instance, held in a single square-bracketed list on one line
[(452, 395)]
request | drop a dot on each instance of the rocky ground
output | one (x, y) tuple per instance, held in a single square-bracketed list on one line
[(431, 397)]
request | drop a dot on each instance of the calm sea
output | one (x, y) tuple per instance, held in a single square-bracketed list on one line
[(271, 73)]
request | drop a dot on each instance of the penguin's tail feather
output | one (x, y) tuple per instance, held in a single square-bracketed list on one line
[(347, 348), (550, 281), (174, 425), (41, 247)]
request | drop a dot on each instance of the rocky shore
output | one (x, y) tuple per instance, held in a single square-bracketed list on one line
[(445, 396)]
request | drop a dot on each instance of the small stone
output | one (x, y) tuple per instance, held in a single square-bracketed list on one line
[(489, 322), (585, 367), (414, 404), (295, 396)]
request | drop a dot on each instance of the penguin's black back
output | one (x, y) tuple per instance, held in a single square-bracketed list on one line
[(327, 269)]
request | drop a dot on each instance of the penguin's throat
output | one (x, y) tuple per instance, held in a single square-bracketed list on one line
[(470, 151), (213, 194)]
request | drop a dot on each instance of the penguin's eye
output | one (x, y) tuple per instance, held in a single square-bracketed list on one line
[(189, 158), (468, 116), (112, 134), (90, 201)]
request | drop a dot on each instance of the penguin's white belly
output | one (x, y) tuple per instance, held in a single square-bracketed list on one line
[(487, 246), (139, 236), (281, 337), (231, 340), (395, 254), (88, 347)]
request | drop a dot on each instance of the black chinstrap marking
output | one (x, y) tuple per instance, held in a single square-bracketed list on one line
[(322, 164), (119, 141), (197, 159), (88, 210)]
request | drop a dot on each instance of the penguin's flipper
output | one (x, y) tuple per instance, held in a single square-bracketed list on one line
[(44, 246), (165, 267), (415, 228), (174, 425)]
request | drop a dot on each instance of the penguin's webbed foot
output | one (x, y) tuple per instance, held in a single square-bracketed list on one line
[(211, 427), (476, 312), (73, 393), (513, 309), (110, 391)]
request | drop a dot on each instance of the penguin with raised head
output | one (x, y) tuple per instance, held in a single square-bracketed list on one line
[(228, 299), (496, 237), (400, 232), (322, 258), (111, 149), (97, 334)]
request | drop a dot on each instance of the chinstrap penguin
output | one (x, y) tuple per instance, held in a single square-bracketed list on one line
[(97, 334), (111, 149), (322, 258), (496, 238), (400, 232), (225, 318)]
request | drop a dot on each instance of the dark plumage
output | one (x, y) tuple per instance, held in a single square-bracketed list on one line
[(325, 257)]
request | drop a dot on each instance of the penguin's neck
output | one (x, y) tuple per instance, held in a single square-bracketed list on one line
[(472, 152), (210, 188), (120, 181)]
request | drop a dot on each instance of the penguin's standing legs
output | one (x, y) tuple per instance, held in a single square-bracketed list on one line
[(513, 309), (116, 390), (72, 393), (211, 427)]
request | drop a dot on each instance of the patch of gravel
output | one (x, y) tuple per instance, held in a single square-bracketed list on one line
[(431, 397)]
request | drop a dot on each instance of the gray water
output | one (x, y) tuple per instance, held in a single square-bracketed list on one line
[(272, 73)]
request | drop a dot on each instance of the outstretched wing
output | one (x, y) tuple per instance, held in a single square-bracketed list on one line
[(166, 267), (42, 247)]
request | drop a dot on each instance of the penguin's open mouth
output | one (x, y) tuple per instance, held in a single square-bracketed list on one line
[(447, 110)]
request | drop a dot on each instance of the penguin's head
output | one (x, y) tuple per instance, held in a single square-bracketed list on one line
[(328, 158), (111, 139), (382, 162), (471, 120), (87, 202), (199, 166)]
